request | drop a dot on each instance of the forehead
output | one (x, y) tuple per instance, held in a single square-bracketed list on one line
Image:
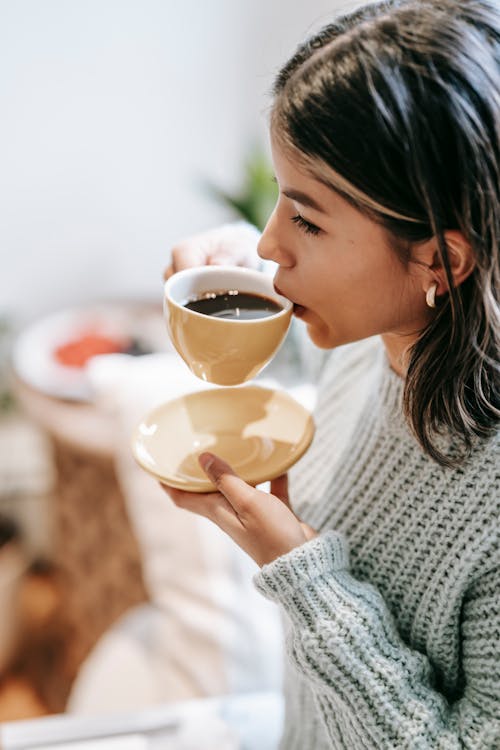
[(289, 162)]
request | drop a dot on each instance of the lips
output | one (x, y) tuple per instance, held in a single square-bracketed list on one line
[(298, 310)]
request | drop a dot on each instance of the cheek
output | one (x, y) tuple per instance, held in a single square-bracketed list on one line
[(403, 293), (354, 303), (380, 286)]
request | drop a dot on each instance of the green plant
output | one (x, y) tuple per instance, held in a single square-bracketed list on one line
[(6, 399), (255, 200)]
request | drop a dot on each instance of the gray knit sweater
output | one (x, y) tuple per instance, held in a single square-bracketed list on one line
[(393, 612)]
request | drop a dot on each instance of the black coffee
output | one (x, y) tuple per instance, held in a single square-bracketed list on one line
[(234, 305)]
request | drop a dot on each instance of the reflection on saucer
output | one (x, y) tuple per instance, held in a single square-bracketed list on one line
[(260, 432)]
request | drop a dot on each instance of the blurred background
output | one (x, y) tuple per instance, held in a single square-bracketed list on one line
[(113, 115), (126, 125)]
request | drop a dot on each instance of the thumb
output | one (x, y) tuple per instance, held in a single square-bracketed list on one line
[(238, 493)]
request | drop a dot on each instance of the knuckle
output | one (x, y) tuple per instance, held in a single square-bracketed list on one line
[(220, 484), (246, 504), (223, 481), (217, 515)]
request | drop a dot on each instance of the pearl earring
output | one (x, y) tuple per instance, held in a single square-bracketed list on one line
[(430, 297)]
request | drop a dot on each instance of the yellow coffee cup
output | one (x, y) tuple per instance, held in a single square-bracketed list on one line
[(220, 350)]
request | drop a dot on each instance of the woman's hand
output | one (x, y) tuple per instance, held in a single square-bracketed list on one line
[(262, 524), (231, 244)]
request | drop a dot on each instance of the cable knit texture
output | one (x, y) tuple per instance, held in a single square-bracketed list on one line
[(392, 613)]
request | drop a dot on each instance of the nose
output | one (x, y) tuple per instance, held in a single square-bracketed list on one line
[(269, 247)]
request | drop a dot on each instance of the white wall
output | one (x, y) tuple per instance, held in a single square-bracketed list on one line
[(111, 114)]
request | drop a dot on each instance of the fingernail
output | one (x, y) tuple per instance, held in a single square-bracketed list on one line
[(206, 460)]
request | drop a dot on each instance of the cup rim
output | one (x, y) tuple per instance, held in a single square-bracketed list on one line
[(287, 304)]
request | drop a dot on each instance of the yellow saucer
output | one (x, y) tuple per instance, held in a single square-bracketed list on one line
[(260, 432)]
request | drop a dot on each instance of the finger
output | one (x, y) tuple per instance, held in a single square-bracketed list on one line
[(168, 272), (184, 256), (221, 258), (211, 505), (182, 499), (182, 259), (240, 494), (279, 487), (187, 256)]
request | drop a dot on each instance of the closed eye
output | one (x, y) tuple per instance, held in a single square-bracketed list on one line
[(305, 225)]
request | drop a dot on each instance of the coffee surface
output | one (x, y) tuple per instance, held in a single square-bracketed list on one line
[(234, 305)]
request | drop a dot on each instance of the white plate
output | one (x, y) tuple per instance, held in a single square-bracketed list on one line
[(33, 352)]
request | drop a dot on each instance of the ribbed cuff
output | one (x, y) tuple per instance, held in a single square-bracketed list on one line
[(322, 556)]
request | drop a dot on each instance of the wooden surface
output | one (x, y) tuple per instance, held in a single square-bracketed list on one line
[(95, 551), (80, 424)]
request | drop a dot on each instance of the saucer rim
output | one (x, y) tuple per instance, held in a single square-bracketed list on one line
[(206, 487)]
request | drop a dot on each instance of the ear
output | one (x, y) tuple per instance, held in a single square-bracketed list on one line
[(460, 257)]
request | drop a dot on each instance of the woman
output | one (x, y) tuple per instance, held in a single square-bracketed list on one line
[(385, 133)]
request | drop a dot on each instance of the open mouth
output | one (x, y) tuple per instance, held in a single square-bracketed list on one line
[(298, 310)]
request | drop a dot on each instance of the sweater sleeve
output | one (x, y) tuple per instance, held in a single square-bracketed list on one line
[(344, 642)]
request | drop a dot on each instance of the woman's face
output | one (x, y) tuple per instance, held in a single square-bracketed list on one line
[(336, 264)]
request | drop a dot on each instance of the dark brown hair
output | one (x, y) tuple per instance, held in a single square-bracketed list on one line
[(397, 107)]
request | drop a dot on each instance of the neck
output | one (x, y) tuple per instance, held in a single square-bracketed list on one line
[(397, 348)]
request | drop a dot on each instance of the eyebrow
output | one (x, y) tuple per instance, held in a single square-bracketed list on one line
[(303, 199)]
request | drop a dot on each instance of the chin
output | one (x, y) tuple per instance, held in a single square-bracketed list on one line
[(325, 337), (321, 337)]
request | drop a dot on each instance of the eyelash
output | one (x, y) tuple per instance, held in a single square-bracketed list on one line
[(306, 226)]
